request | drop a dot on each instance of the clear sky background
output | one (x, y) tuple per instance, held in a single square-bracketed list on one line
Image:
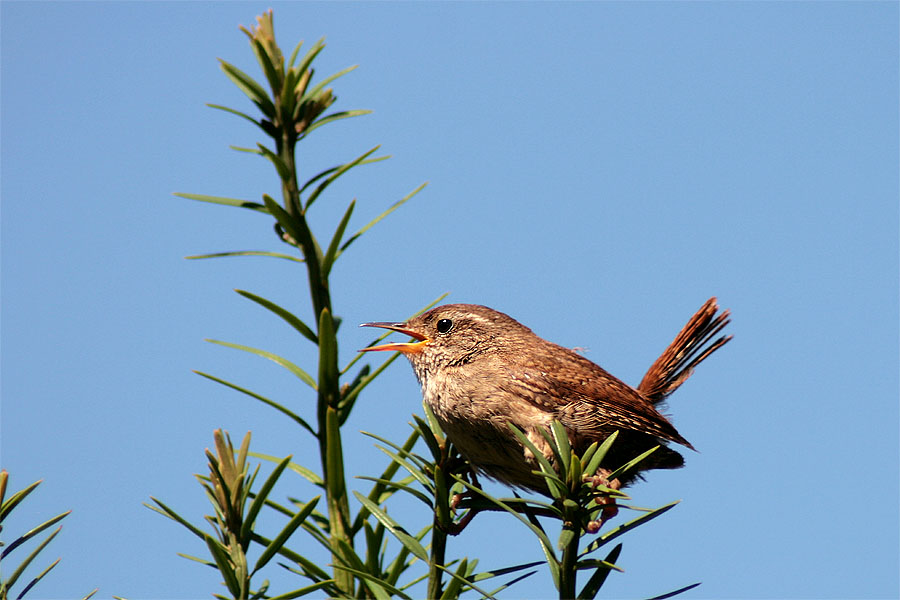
[(597, 170)]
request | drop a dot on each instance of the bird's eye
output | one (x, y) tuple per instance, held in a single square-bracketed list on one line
[(444, 325)]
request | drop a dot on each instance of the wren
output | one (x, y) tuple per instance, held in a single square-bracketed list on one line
[(481, 370)]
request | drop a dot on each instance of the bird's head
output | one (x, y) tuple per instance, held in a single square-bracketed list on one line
[(453, 335)]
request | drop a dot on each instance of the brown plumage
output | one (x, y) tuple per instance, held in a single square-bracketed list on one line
[(480, 370)]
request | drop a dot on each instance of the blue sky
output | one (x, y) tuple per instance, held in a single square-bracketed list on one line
[(596, 170)]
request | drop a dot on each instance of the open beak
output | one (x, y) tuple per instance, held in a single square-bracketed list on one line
[(406, 348)]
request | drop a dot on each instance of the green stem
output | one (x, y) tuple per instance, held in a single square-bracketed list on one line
[(441, 525), (290, 189), (568, 565), (329, 383), (336, 495), (438, 552)]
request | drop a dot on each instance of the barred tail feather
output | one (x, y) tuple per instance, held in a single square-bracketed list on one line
[(689, 348)]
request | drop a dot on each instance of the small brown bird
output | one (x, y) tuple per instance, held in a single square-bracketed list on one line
[(480, 370)]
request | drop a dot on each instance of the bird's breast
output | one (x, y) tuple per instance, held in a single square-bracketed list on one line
[(475, 415)]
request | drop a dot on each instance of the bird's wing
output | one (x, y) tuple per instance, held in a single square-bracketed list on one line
[(586, 398)]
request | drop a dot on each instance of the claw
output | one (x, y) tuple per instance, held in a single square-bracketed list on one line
[(456, 527)]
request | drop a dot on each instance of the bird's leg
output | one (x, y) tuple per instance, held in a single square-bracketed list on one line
[(459, 497), (456, 527)]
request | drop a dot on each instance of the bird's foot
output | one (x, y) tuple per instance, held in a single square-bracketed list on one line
[(457, 500), (456, 527)]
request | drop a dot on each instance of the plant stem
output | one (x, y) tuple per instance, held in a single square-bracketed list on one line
[(441, 524), (289, 189), (329, 382), (438, 551), (336, 495), (568, 565)]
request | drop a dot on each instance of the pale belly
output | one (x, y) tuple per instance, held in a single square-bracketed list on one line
[(480, 430)]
